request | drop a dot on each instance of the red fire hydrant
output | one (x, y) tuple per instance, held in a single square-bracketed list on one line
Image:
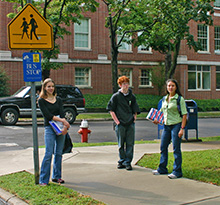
[(84, 131)]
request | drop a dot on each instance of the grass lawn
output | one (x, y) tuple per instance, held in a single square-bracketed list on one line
[(106, 115), (22, 185), (198, 165)]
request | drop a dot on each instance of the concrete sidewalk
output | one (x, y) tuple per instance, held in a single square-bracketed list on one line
[(93, 171)]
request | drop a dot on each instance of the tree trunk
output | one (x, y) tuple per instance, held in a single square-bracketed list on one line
[(175, 55), (114, 65), (45, 74), (114, 59), (168, 60)]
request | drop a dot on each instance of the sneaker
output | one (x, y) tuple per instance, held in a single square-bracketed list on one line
[(43, 184), (120, 166), (172, 176), (60, 181), (155, 172), (128, 167)]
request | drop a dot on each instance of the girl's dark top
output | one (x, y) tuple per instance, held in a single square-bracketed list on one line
[(49, 110), (124, 106)]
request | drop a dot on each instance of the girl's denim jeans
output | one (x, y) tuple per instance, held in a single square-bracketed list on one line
[(54, 145), (170, 132)]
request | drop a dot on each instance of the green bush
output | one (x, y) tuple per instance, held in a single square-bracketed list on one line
[(208, 105), (145, 102), (3, 82)]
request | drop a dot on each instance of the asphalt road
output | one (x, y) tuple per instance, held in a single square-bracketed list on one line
[(20, 136)]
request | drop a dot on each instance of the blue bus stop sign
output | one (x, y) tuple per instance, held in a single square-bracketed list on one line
[(32, 67)]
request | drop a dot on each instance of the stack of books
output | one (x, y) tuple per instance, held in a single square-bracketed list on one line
[(155, 114)]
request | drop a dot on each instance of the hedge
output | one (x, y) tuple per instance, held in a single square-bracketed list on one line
[(145, 102)]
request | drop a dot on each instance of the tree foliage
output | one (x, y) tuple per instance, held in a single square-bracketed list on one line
[(60, 14), (161, 24), (4, 88), (165, 23)]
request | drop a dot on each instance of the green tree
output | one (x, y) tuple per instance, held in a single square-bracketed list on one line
[(61, 14), (122, 26), (165, 23), (117, 33), (3, 82), (158, 77)]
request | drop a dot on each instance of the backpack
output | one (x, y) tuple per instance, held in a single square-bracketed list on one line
[(179, 108)]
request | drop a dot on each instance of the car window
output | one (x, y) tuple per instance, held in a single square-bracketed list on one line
[(22, 92), (62, 92), (68, 92)]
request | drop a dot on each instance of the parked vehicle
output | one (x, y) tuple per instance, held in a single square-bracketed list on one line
[(19, 104)]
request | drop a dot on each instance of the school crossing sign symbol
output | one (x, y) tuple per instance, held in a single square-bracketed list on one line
[(30, 30)]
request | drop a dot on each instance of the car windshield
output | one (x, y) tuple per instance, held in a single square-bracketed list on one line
[(22, 92)]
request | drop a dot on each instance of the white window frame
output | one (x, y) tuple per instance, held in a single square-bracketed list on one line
[(142, 48), (217, 39), (206, 38), (86, 78), (199, 78), (124, 44), (217, 3), (85, 33), (144, 77), (120, 73), (217, 72)]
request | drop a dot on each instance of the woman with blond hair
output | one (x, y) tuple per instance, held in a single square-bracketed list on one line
[(52, 109)]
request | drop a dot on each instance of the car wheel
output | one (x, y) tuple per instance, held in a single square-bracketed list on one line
[(9, 116), (70, 115)]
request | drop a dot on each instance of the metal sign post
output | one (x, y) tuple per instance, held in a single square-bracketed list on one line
[(35, 134), (32, 73)]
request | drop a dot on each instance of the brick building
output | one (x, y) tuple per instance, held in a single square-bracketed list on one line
[(87, 57)]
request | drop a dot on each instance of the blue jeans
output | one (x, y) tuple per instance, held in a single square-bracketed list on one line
[(125, 136), (54, 145), (170, 132)]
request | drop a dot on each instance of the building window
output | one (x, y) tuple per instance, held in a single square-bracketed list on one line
[(144, 48), (145, 78), (217, 3), (217, 39), (199, 77), (217, 77), (82, 34), (124, 47), (126, 72), (203, 37), (83, 77)]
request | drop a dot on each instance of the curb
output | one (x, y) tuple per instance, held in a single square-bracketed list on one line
[(11, 199)]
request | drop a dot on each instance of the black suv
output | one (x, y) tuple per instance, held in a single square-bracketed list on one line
[(19, 104)]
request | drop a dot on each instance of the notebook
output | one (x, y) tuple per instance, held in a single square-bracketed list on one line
[(57, 126), (155, 114)]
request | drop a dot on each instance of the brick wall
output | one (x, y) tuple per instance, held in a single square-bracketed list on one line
[(101, 80)]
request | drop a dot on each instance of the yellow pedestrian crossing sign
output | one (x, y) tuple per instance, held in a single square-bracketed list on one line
[(30, 30)]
